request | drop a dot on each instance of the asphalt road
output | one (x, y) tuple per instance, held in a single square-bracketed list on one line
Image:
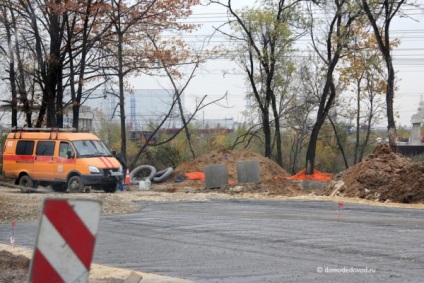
[(261, 241)]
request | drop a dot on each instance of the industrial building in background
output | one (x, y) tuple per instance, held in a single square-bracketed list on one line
[(144, 110)]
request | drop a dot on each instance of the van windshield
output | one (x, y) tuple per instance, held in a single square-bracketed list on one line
[(91, 148)]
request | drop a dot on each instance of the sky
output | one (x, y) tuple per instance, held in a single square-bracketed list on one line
[(221, 76)]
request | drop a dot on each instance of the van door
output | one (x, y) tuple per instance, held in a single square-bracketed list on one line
[(65, 161), (44, 161)]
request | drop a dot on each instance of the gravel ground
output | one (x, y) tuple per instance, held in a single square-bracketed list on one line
[(22, 207)]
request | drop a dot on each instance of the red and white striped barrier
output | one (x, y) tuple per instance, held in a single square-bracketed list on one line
[(65, 242)]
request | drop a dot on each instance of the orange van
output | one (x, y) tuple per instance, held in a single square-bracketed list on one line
[(62, 158)]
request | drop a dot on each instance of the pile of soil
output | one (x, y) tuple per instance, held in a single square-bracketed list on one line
[(382, 176), (14, 268), (272, 176)]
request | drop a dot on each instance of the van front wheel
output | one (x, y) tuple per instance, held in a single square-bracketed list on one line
[(75, 185), (110, 188)]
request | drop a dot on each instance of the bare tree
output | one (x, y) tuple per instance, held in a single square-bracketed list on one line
[(85, 28), (335, 38), (380, 14), (129, 49), (11, 21), (308, 81), (44, 25), (267, 36), (9, 54), (172, 73)]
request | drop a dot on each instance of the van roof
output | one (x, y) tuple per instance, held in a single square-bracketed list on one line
[(52, 136)]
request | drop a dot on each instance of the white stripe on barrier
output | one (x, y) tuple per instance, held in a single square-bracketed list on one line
[(82, 209), (59, 254)]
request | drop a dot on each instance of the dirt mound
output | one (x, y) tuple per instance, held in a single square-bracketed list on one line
[(382, 176), (271, 174), (268, 168), (14, 268)]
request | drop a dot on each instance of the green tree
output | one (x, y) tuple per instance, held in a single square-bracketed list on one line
[(362, 73)]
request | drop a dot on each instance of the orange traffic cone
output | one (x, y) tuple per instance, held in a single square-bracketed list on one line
[(127, 178)]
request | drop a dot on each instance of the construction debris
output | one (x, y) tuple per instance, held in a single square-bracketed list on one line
[(382, 176)]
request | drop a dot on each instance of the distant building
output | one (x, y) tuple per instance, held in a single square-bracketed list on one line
[(144, 108), (416, 120), (226, 123), (85, 121)]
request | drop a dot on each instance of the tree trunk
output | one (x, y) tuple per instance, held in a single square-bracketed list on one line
[(76, 98), (122, 97), (367, 137), (339, 143), (42, 79), (22, 85), (42, 112), (11, 72), (59, 100), (186, 129), (267, 132), (310, 153), (51, 110), (54, 71), (277, 130), (14, 100), (12, 78), (391, 126), (389, 8), (358, 122), (324, 107)]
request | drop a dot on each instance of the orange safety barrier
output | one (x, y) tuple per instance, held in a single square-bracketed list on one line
[(231, 182), (195, 176), (317, 176)]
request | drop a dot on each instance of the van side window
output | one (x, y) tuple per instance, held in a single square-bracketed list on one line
[(45, 148), (64, 148), (24, 147)]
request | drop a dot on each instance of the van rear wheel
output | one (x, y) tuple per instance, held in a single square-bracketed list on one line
[(75, 185), (26, 181)]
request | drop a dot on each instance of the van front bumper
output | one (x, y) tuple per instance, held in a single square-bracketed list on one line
[(104, 177)]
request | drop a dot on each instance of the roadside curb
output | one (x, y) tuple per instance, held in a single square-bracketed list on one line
[(105, 274)]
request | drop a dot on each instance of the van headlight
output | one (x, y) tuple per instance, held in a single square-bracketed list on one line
[(93, 169), (120, 169)]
